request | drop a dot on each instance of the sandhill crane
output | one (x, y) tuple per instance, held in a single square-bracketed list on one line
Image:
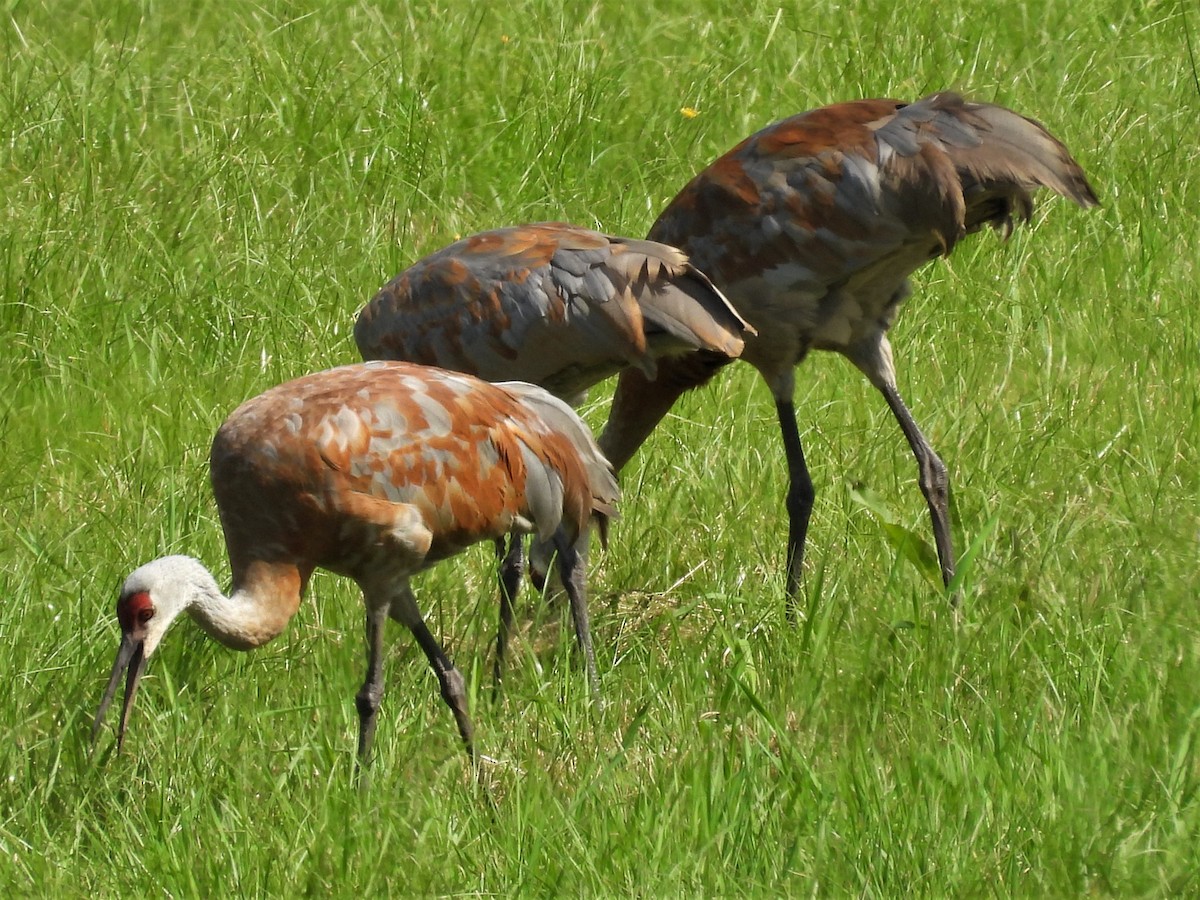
[(812, 227), (552, 304), (376, 472)]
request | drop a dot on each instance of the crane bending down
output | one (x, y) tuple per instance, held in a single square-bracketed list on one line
[(376, 472), (553, 304), (812, 226)]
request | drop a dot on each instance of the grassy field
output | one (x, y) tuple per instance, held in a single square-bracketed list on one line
[(198, 198)]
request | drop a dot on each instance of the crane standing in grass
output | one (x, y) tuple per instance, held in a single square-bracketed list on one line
[(812, 227), (553, 304), (375, 472)]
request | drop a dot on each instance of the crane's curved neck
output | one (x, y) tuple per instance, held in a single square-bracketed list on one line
[(264, 599)]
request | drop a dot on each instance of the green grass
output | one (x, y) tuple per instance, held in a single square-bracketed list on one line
[(197, 199)]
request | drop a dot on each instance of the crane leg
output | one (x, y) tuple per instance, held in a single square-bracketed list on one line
[(512, 562), (574, 577), (369, 697), (454, 688), (934, 481), (800, 497)]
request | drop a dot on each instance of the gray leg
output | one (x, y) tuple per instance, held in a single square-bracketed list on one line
[(800, 497), (934, 481), (572, 570), (369, 697), (873, 355), (454, 689), (511, 564)]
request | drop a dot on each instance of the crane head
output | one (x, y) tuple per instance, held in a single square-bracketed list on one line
[(150, 600), (135, 613)]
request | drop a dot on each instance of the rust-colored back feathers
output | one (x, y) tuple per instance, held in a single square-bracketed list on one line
[(552, 304), (326, 467)]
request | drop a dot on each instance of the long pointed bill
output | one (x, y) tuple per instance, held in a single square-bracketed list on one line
[(130, 656)]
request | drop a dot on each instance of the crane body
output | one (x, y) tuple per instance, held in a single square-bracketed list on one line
[(375, 472), (812, 227), (553, 304)]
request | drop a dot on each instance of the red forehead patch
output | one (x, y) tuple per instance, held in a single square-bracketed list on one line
[(129, 607)]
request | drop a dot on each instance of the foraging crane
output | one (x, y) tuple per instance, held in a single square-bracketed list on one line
[(374, 471), (812, 227), (553, 304)]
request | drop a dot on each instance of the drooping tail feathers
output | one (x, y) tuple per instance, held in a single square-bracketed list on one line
[(605, 491), (1000, 157), (681, 309)]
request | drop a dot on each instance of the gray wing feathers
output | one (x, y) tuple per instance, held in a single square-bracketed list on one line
[(1020, 149), (681, 308), (995, 148), (690, 309), (543, 493), (559, 416), (981, 161), (552, 304)]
